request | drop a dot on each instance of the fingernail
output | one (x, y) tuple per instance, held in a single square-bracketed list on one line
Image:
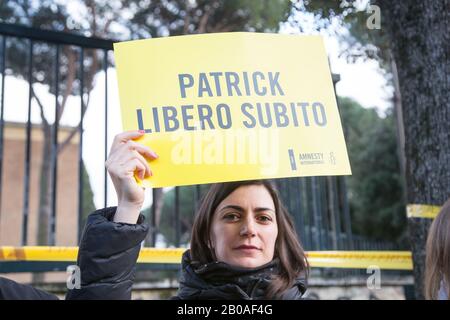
[(154, 155), (141, 131)]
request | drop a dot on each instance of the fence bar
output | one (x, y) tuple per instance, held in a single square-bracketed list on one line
[(26, 194), (177, 217), (2, 121), (309, 204), (333, 213), (326, 220), (300, 211), (338, 212), (323, 210), (153, 222), (105, 69), (62, 38), (346, 212), (52, 238), (80, 148), (304, 236), (316, 213)]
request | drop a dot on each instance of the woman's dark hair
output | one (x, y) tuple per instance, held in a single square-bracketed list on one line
[(289, 251), (437, 265)]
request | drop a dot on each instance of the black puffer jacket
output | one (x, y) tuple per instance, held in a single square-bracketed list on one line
[(107, 260), (107, 256), (11, 290)]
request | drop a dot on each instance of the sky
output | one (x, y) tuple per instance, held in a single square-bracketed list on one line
[(363, 81)]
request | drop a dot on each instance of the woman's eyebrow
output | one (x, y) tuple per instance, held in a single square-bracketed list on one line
[(240, 209)]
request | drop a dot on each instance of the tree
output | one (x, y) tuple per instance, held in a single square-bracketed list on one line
[(160, 18), (359, 43), (416, 34), (420, 35), (375, 187)]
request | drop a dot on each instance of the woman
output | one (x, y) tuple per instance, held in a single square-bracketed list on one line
[(243, 243), (437, 273), (243, 246)]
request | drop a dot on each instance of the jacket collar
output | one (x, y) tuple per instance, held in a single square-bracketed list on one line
[(219, 280)]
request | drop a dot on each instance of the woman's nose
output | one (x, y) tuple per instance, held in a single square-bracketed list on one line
[(248, 229)]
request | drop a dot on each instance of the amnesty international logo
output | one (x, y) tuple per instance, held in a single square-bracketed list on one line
[(310, 158)]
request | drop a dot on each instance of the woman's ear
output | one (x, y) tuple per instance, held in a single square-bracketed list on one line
[(212, 250), (211, 244)]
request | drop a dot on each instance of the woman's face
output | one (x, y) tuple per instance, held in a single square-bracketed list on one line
[(244, 227)]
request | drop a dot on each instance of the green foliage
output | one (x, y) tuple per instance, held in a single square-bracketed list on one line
[(358, 41), (88, 197), (161, 18), (375, 187), (188, 195), (187, 211), (112, 18)]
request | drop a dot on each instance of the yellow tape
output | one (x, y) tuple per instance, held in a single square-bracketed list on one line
[(151, 255), (422, 211), (394, 260), (41, 253)]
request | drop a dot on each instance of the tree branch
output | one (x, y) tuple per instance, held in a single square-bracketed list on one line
[(66, 141), (92, 70), (71, 72), (107, 24), (76, 129), (204, 20), (41, 107), (91, 5), (187, 20)]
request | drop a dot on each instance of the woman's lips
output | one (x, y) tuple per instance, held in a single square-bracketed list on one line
[(247, 248)]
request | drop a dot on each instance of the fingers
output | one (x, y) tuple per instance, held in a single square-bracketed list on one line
[(125, 164), (128, 156), (117, 163), (144, 150), (135, 165), (147, 172), (125, 136), (132, 146)]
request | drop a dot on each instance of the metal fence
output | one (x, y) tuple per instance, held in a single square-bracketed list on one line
[(12, 33), (318, 205)]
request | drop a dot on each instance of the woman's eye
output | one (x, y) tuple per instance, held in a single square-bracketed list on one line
[(231, 217), (265, 218)]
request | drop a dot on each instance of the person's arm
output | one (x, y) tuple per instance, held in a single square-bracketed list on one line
[(107, 257), (11, 290), (112, 238)]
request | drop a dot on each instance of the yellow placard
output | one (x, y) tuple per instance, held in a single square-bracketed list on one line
[(232, 106)]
